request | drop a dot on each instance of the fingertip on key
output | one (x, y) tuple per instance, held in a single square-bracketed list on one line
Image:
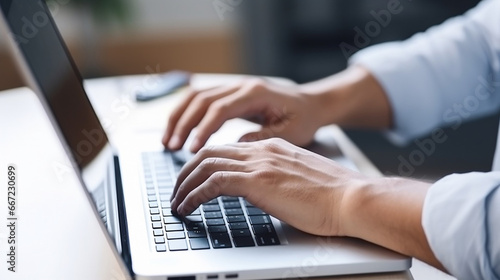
[(174, 143), (195, 146)]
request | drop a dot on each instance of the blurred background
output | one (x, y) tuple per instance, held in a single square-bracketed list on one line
[(297, 39)]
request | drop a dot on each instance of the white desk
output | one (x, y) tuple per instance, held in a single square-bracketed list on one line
[(44, 214)]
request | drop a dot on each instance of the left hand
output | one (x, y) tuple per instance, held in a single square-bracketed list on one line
[(292, 184)]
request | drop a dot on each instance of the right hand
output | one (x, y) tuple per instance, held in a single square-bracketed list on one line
[(282, 110)]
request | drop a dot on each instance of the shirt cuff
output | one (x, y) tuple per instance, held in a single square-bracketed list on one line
[(461, 219), (395, 69)]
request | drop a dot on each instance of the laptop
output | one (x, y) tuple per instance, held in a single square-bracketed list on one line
[(129, 187)]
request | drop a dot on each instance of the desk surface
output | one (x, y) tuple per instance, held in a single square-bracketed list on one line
[(117, 111)]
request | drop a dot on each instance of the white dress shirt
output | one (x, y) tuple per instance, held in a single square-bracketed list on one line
[(443, 77)]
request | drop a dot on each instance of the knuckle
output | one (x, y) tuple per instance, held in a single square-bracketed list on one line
[(271, 163), (216, 182), (273, 145), (208, 164), (265, 175), (256, 84), (219, 107), (206, 152), (218, 178), (201, 100)]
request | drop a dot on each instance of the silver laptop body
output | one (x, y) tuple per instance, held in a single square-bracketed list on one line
[(117, 183)]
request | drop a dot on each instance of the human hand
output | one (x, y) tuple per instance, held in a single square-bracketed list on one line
[(282, 110), (294, 185)]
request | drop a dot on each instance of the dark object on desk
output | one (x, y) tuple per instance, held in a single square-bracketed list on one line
[(168, 83)]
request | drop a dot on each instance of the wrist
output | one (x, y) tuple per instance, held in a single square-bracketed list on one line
[(357, 202), (351, 98)]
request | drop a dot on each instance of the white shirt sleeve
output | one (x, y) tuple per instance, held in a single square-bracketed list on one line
[(444, 76), (461, 219)]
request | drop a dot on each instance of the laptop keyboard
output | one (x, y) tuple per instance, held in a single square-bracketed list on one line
[(223, 222)]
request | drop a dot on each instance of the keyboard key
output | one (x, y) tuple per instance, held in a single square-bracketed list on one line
[(217, 229), (229, 198), (156, 225), (174, 227), (233, 226), (196, 233), (158, 232), (165, 199), (232, 204), (253, 211), (235, 219), (165, 204), (211, 208), (241, 233), (199, 243), (212, 215), (164, 178), (167, 212), (193, 219), (211, 202), (165, 184), (172, 220), (162, 172), (161, 248), (257, 220), (266, 240), (220, 240), (215, 222), (244, 241), (234, 211), (196, 212), (153, 204), (160, 240), (175, 235), (248, 204), (155, 218), (195, 226), (177, 245), (165, 191), (151, 198), (154, 211), (266, 229), (151, 192)]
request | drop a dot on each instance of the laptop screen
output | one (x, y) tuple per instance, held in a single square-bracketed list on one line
[(56, 75)]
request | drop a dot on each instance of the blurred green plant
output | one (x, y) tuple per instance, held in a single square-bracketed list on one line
[(104, 10)]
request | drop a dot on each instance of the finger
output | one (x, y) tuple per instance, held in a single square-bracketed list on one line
[(226, 151), (237, 105), (262, 134), (219, 183), (202, 172), (194, 112), (176, 114)]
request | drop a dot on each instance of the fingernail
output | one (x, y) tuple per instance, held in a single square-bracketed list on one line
[(174, 143)]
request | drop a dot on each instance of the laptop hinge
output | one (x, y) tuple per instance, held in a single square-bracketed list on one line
[(122, 216)]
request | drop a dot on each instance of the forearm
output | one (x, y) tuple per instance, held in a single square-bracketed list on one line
[(388, 212), (351, 98)]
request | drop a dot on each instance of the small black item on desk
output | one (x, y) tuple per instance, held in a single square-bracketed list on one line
[(167, 84)]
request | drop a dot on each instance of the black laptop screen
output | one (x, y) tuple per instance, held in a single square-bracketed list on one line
[(56, 75)]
